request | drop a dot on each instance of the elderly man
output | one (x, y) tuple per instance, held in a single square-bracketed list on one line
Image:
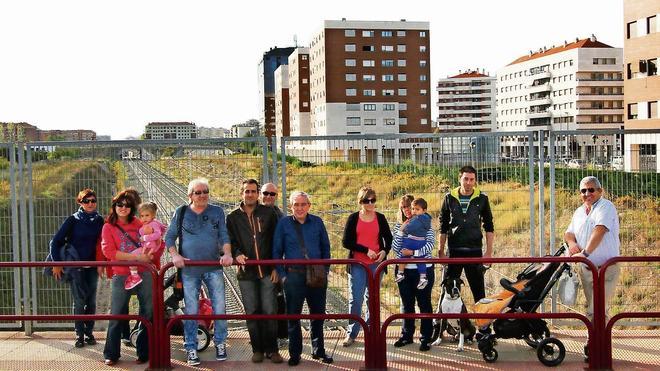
[(269, 197), (294, 235), (594, 234), (204, 236), (251, 228)]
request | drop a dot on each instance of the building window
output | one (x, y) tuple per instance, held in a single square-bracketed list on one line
[(422, 77), (349, 33), (303, 57), (387, 63), (352, 121), (389, 107), (369, 107), (403, 92), (305, 104), (368, 77), (350, 77), (403, 106), (367, 33), (423, 122), (401, 77), (368, 63), (401, 48), (388, 92), (632, 111), (652, 67), (422, 63), (652, 24), (386, 33), (369, 122), (401, 63), (422, 33), (369, 92), (388, 77), (304, 81), (349, 47), (368, 48), (401, 33), (352, 106), (349, 62), (422, 92), (387, 48), (389, 122), (422, 48), (403, 121), (653, 110), (351, 92), (423, 106)]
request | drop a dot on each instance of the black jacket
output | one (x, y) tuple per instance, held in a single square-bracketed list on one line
[(464, 229), (349, 240), (253, 238)]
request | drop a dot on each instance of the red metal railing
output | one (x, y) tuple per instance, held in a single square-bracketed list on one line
[(606, 329)]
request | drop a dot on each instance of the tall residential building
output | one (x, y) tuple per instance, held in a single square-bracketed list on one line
[(170, 130), (642, 84), (271, 59), (466, 103), (299, 104), (282, 101), (249, 127), (574, 86)]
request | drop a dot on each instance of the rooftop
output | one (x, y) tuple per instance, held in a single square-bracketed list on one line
[(584, 43)]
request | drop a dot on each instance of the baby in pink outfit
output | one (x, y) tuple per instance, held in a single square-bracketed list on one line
[(151, 234)]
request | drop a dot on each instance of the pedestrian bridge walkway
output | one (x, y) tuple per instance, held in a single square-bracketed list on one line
[(632, 349)]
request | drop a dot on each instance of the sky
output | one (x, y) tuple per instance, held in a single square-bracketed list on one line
[(114, 66)]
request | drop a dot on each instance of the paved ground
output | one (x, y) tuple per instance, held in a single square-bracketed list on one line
[(638, 350)]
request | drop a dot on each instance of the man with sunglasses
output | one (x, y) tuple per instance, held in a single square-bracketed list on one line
[(594, 234), (251, 227), (269, 197)]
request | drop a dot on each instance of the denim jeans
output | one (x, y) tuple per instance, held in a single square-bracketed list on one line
[(357, 286), (84, 299), (259, 297), (297, 292), (409, 294), (215, 285), (121, 296)]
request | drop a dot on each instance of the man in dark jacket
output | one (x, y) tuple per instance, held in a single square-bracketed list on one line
[(251, 228), (464, 210)]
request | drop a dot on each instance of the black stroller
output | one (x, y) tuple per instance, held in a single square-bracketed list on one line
[(173, 308), (525, 295)]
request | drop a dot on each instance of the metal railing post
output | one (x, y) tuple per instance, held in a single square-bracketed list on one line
[(283, 190), (541, 195), (264, 159), (273, 176), (532, 211)]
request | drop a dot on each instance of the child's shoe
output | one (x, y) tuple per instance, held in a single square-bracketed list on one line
[(132, 281)]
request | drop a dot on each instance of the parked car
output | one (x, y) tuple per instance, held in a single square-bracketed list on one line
[(575, 164), (617, 163)]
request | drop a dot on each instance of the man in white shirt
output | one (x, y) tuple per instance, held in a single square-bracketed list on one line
[(594, 234)]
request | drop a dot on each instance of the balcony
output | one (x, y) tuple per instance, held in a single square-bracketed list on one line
[(539, 88), (541, 75), (590, 82), (591, 97), (539, 115), (599, 111), (546, 101)]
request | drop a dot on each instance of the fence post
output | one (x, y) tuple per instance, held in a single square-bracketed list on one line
[(541, 194), (264, 159), (283, 190), (13, 189), (551, 153), (24, 235), (532, 211), (273, 176)]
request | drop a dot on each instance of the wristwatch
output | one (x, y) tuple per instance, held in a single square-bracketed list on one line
[(585, 253)]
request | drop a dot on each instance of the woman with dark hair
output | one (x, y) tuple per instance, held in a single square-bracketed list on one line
[(368, 238), (119, 238), (408, 286), (82, 231)]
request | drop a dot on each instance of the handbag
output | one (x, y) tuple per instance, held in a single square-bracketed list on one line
[(315, 275), (48, 271), (568, 287)]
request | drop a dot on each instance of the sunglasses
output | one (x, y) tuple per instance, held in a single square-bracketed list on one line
[(87, 201), (585, 190), (206, 191), (123, 204), (368, 201), (271, 194)]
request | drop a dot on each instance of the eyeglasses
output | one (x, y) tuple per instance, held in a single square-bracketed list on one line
[(123, 204), (365, 201), (585, 190), (87, 201), (206, 191), (271, 194)]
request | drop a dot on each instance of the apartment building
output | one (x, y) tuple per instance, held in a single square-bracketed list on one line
[(642, 84), (69, 135), (282, 101), (170, 130), (299, 104), (573, 86), (270, 61), (466, 103), (212, 132), (250, 127)]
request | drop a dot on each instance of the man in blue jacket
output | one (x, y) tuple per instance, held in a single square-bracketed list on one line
[(287, 245)]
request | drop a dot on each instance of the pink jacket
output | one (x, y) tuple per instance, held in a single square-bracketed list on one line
[(153, 240)]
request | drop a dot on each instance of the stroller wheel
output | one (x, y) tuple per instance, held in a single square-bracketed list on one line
[(203, 338), (490, 356), (533, 340), (551, 352)]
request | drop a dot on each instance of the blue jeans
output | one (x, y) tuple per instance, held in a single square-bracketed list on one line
[(84, 299), (357, 286), (215, 285), (119, 300), (297, 292), (409, 294), (259, 297)]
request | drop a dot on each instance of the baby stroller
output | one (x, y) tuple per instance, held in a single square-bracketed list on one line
[(525, 295), (172, 309)]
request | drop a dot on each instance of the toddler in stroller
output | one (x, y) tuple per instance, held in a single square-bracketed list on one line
[(525, 295), (172, 308)]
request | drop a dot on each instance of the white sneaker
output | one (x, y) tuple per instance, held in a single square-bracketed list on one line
[(193, 359), (422, 283), (399, 277)]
